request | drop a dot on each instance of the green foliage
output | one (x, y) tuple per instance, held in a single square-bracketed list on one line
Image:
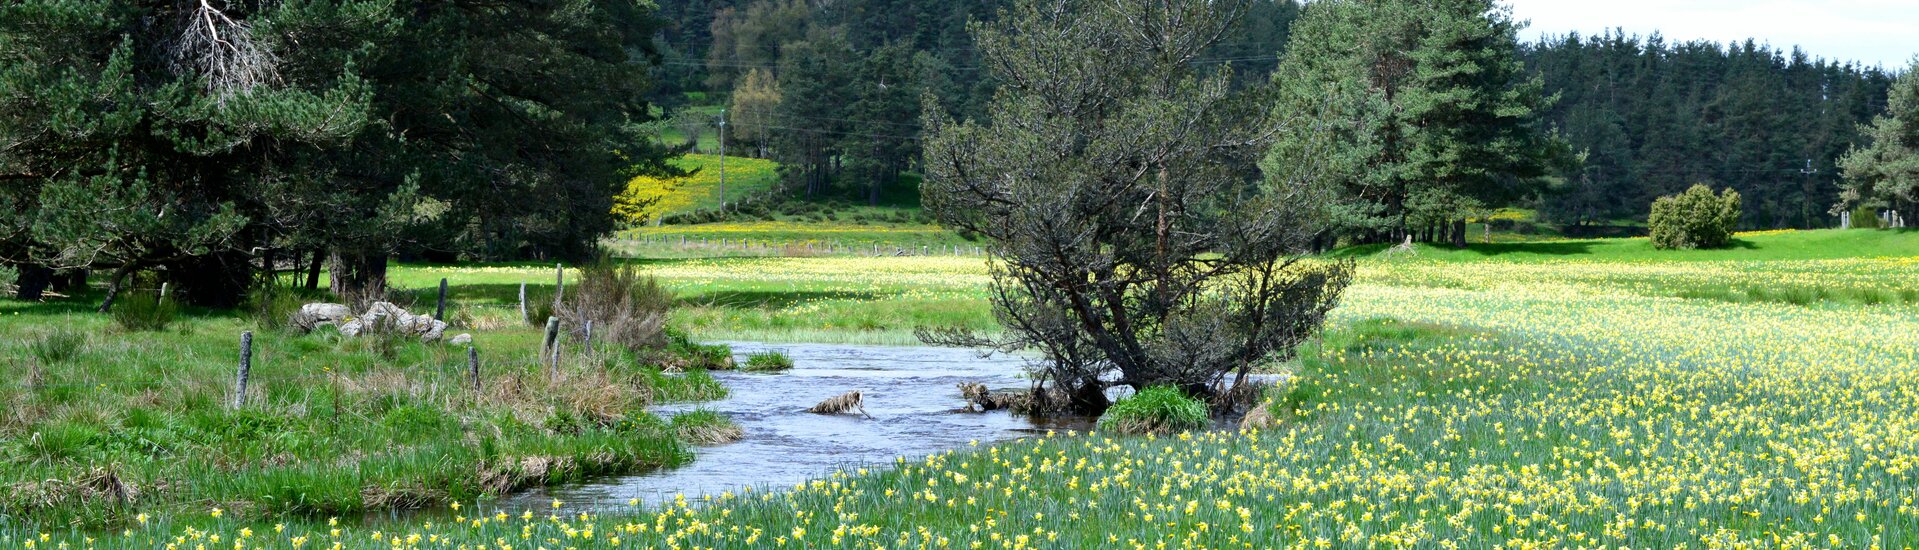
[(1694, 219), (137, 310), (57, 345), (7, 277), (1155, 410), (767, 361)]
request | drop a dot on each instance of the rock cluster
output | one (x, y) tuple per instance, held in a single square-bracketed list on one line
[(381, 317)]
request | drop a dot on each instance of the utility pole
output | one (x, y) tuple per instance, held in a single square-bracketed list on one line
[(1805, 204), (722, 159)]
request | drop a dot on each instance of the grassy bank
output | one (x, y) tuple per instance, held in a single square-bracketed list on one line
[(104, 423)]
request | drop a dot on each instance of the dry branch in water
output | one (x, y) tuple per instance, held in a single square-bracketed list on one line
[(848, 401)]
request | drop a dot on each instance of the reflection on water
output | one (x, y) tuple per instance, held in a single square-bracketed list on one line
[(911, 393)]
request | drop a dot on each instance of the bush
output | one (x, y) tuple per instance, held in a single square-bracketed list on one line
[(1156, 410), (1865, 217), (625, 307), (142, 310), (768, 361), (1694, 219), (8, 275)]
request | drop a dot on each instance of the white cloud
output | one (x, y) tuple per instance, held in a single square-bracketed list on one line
[(1874, 32)]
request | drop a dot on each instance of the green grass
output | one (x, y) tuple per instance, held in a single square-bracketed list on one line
[(104, 422), (1158, 410)]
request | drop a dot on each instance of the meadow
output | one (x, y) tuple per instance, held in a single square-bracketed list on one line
[(1603, 398)]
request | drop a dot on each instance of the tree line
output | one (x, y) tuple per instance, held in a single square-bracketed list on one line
[(1654, 117), (216, 143)]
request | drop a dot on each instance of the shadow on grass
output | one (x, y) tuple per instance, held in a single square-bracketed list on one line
[(1544, 248)]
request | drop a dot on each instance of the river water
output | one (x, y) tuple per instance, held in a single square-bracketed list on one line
[(911, 394)]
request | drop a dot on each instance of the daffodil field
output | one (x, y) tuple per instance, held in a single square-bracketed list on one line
[(1583, 402)]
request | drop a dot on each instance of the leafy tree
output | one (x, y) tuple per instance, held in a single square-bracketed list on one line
[(1694, 219), (1885, 173), (1440, 117), (755, 102), (1130, 248)]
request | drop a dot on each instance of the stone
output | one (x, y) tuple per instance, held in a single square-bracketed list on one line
[(316, 315), (461, 339), (384, 317)]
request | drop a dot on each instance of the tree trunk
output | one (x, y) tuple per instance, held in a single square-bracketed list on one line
[(357, 278), (313, 269), (113, 286), (33, 282), (1459, 233)]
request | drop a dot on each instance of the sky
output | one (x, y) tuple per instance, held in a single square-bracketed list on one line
[(1874, 32)]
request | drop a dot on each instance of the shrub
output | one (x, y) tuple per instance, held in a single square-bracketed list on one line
[(768, 361), (1694, 219), (57, 346), (1156, 410), (539, 306), (8, 275), (625, 307), (142, 310), (1865, 217)]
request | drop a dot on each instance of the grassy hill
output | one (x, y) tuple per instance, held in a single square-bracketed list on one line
[(700, 191)]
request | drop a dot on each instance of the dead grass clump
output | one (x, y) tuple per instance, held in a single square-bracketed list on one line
[(623, 306)]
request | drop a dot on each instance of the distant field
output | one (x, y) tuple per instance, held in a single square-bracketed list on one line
[(1761, 245)]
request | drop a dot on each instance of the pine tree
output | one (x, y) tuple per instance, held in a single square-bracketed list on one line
[(1885, 173), (1441, 119)]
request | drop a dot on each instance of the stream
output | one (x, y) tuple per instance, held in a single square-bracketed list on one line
[(911, 394)]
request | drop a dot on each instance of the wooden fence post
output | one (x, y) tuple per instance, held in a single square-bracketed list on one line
[(246, 370), (550, 344), (439, 312), (559, 284), (473, 366), (523, 317)]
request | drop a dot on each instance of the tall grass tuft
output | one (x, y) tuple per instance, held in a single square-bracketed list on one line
[(1157, 410), (144, 311), (57, 346), (767, 361), (272, 307)]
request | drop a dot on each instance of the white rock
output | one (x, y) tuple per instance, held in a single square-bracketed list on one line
[(461, 339)]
